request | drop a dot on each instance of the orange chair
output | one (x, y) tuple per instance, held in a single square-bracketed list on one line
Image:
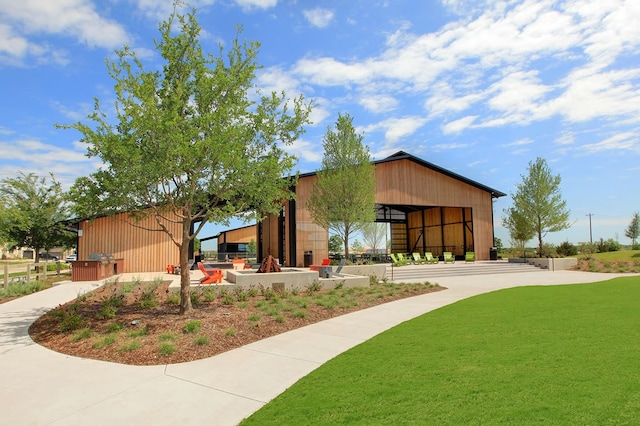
[(170, 269), (325, 262), (211, 276)]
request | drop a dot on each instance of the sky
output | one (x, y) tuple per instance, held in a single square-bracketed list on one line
[(478, 87)]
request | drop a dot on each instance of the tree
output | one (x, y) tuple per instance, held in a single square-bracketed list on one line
[(184, 137), (633, 230), (343, 198), (33, 211), (252, 247), (335, 244), (357, 246), (520, 230), (373, 234), (538, 203)]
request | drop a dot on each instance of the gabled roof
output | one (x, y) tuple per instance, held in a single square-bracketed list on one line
[(401, 155)]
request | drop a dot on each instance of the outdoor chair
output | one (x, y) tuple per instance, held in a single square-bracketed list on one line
[(338, 270), (403, 259), (470, 256), (429, 258), (418, 260), (211, 276), (396, 261), (448, 257)]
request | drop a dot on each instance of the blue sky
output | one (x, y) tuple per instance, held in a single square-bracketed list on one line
[(478, 87)]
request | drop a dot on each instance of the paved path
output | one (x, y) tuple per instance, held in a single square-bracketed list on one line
[(41, 387)]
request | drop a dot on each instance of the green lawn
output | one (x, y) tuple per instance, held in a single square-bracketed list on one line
[(563, 355), (621, 255)]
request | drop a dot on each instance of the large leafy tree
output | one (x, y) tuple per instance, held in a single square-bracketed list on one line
[(633, 230), (373, 234), (33, 212), (538, 207), (343, 198), (191, 142), (520, 229)]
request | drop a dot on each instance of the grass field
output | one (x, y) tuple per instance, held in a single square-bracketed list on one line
[(621, 255), (561, 355)]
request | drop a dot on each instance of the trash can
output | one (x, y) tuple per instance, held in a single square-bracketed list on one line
[(493, 253), (308, 258)]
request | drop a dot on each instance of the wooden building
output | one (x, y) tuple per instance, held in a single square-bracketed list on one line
[(428, 209)]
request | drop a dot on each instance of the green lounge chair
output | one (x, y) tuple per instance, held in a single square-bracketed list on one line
[(470, 256), (429, 258), (396, 261), (403, 259), (448, 257), (418, 260)]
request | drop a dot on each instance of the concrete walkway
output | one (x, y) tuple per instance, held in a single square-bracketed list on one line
[(41, 387)]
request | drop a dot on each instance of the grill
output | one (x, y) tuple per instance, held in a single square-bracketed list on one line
[(105, 258)]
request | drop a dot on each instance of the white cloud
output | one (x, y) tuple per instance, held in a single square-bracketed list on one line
[(506, 63), (256, 4), (34, 156), (318, 17), (519, 142), (459, 125), (378, 103), (628, 141), (26, 21), (396, 128), (308, 151)]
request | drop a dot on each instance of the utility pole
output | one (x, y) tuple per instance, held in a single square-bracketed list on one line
[(590, 233)]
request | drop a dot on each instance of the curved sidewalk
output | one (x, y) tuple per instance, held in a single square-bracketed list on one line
[(42, 387)]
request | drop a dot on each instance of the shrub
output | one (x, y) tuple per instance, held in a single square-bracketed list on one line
[(104, 341), (166, 348), (68, 318), (566, 249), (130, 346), (201, 340), (192, 327), (81, 334)]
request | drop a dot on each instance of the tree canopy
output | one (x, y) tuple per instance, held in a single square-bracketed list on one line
[(343, 198), (191, 142), (633, 230), (373, 234), (538, 207), (33, 212)]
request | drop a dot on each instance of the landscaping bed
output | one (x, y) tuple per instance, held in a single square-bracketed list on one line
[(138, 322)]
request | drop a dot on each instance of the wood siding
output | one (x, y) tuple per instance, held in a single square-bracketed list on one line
[(467, 213), (141, 250), (309, 236)]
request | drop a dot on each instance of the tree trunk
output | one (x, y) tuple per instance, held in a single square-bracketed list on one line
[(185, 273)]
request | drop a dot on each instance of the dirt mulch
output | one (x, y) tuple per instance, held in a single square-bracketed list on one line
[(147, 335)]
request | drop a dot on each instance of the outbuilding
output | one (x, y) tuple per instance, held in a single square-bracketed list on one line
[(428, 208)]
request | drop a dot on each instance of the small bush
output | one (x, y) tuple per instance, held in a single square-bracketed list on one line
[(104, 341), (567, 249), (314, 287), (173, 298), (230, 332), (130, 346), (167, 337), (81, 334), (201, 340), (139, 332), (192, 327), (114, 327), (166, 348), (68, 318)]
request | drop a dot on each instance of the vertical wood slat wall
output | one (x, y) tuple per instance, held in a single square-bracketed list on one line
[(309, 236), (405, 182), (142, 250)]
